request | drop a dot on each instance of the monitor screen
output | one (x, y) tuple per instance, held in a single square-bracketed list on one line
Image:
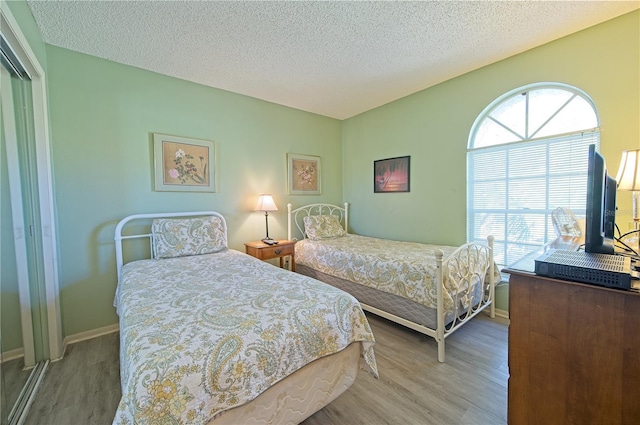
[(601, 206), (609, 219)]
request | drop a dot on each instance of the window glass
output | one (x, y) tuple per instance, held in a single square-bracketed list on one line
[(543, 103), (528, 155), (511, 114), (491, 133), (577, 115)]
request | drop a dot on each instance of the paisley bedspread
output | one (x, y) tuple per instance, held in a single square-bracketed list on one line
[(205, 333), (406, 269)]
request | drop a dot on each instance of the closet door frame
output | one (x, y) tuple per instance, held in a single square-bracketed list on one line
[(17, 217), (18, 42)]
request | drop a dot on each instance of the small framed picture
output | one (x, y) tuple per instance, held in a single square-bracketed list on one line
[(303, 175), (183, 164), (391, 175)]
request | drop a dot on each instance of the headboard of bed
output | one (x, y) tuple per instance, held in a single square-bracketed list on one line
[(120, 237), (297, 216)]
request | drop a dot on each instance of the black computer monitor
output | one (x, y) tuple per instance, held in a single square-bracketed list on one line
[(601, 206)]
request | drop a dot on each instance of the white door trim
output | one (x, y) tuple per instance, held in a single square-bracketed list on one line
[(21, 47), (17, 217)]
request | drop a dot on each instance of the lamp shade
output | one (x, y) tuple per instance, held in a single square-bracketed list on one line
[(265, 203), (628, 177)]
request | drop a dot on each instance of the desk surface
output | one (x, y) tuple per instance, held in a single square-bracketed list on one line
[(527, 263)]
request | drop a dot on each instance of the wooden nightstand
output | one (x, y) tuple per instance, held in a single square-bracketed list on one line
[(262, 251)]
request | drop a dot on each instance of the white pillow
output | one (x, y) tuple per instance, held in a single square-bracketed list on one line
[(188, 236), (323, 227)]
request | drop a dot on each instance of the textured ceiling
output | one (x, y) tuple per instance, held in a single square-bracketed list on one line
[(332, 58)]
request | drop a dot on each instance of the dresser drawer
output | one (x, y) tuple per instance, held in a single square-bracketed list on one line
[(275, 251), (263, 251)]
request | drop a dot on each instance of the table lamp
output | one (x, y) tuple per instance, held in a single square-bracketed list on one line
[(628, 178), (266, 204)]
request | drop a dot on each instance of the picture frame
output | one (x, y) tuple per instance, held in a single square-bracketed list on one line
[(304, 174), (392, 175), (183, 164)]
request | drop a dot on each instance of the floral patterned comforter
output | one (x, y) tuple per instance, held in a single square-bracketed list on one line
[(205, 333), (406, 269)]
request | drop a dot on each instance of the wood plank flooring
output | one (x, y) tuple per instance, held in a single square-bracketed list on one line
[(81, 389), (414, 388), (15, 378)]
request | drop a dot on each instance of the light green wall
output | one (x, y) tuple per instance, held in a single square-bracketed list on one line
[(433, 127), (103, 116)]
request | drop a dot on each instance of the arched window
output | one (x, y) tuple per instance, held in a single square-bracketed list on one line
[(527, 155)]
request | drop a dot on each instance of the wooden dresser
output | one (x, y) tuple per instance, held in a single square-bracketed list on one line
[(574, 353)]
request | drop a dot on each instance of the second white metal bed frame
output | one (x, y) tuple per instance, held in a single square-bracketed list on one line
[(463, 255)]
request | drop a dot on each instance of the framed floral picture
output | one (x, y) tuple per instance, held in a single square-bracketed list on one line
[(183, 164), (304, 174)]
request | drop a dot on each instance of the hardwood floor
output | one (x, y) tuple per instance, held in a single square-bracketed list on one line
[(81, 389), (15, 378), (414, 388)]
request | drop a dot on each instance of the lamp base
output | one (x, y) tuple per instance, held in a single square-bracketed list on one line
[(268, 240)]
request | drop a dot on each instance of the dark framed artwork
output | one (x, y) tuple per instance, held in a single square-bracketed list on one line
[(391, 174)]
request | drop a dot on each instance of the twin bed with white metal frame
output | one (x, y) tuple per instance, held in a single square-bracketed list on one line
[(209, 335), (431, 289)]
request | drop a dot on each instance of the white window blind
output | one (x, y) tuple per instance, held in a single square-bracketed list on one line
[(513, 186)]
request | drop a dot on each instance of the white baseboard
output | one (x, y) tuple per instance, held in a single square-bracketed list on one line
[(94, 333), (7, 356), (502, 313), (71, 339), (502, 316)]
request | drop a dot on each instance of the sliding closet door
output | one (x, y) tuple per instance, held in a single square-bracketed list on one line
[(9, 311), (32, 153), (23, 191), (14, 374), (21, 326), (27, 230)]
